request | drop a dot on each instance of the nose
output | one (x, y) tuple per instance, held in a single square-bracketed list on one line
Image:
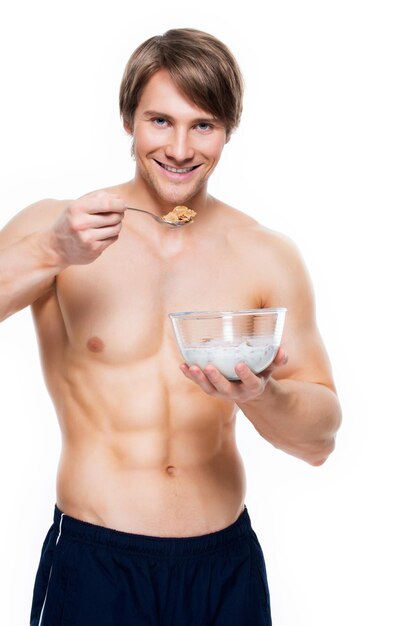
[(179, 148)]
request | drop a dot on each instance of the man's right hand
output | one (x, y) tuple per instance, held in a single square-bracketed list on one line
[(87, 227)]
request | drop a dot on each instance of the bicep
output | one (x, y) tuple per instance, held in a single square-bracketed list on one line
[(292, 288)]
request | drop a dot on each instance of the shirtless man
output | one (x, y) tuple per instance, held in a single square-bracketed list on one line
[(150, 525)]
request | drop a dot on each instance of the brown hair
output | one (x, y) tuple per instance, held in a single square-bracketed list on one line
[(200, 65)]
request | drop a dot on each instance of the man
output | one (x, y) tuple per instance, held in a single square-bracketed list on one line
[(150, 525)]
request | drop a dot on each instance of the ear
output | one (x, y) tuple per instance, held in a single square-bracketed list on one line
[(127, 127)]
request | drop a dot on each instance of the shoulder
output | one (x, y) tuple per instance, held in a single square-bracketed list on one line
[(34, 217), (280, 252), (247, 236), (274, 257)]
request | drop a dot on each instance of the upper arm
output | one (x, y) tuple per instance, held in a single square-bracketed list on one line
[(289, 285)]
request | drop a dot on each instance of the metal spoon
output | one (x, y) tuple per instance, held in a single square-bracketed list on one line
[(160, 219)]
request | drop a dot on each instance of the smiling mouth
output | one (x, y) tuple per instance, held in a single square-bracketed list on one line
[(177, 170)]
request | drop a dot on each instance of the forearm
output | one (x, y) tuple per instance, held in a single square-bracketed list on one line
[(27, 270), (298, 417)]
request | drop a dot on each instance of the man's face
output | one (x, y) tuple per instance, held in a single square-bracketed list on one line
[(177, 145)]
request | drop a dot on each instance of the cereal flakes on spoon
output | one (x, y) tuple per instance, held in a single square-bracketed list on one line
[(180, 214)]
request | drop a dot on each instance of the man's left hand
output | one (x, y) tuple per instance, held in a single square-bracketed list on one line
[(249, 386)]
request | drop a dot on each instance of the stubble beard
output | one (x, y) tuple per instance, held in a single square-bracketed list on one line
[(170, 193)]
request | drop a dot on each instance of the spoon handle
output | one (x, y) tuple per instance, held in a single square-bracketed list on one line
[(131, 208), (157, 218)]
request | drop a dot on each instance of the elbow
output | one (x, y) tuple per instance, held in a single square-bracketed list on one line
[(320, 453), (3, 313), (5, 290), (321, 449), (314, 453)]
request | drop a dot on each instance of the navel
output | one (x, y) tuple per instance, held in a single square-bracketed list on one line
[(171, 470), (95, 344)]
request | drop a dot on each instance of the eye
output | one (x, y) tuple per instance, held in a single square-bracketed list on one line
[(159, 121), (204, 126)]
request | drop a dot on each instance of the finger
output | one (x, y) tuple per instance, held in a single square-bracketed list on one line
[(248, 378), (107, 232), (107, 206), (279, 360), (106, 219), (222, 384), (281, 357), (102, 202), (105, 243), (195, 374)]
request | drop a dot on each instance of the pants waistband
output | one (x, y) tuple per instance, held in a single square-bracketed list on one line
[(67, 526)]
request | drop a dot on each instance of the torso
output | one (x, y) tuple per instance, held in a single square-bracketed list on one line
[(144, 449)]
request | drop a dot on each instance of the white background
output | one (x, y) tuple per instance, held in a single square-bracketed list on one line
[(327, 153)]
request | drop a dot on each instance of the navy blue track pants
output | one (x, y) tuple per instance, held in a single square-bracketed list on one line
[(93, 576)]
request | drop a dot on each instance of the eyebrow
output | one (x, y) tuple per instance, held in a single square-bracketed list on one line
[(169, 117)]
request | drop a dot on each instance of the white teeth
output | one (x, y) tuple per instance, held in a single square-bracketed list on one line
[(176, 170)]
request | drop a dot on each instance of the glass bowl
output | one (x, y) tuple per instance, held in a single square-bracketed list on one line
[(225, 338)]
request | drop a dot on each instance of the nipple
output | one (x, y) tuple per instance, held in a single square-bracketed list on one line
[(95, 344)]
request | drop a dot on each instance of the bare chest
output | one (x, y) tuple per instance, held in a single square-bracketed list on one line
[(118, 306)]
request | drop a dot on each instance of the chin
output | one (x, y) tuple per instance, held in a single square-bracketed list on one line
[(172, 195), (179, 199)]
